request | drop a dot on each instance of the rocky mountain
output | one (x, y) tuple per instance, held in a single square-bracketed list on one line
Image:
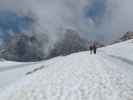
[(124, 37), (127, 36), (72, 42), (22, 48)]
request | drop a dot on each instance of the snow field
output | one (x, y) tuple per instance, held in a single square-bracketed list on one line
[(79, 76)]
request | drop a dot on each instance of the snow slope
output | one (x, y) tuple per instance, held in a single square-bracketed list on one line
[(80, 76), (123, 49), (12, 71)]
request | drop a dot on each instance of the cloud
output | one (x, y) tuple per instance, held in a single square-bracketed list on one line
[(50, 13), (95, 18), (117, 19)]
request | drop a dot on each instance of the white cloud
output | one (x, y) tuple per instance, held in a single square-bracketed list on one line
[(118, 18), (55, 15)]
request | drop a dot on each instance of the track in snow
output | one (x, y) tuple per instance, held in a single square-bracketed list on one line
[(13, 67), (128, 61)]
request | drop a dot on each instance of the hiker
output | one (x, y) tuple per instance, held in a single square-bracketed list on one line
[(94, 48), (91, 48)]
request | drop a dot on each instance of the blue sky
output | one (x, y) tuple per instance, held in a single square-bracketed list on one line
[(10, 21), (97, 10)]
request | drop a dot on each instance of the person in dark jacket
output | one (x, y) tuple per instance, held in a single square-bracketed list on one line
[(91, 49), (94, 48)]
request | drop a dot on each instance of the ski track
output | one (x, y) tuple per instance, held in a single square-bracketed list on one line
[(122, 59), (93, 77), (13, 67)]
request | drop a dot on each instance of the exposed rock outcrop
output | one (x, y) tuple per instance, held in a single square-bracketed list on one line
[(127, 36)]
